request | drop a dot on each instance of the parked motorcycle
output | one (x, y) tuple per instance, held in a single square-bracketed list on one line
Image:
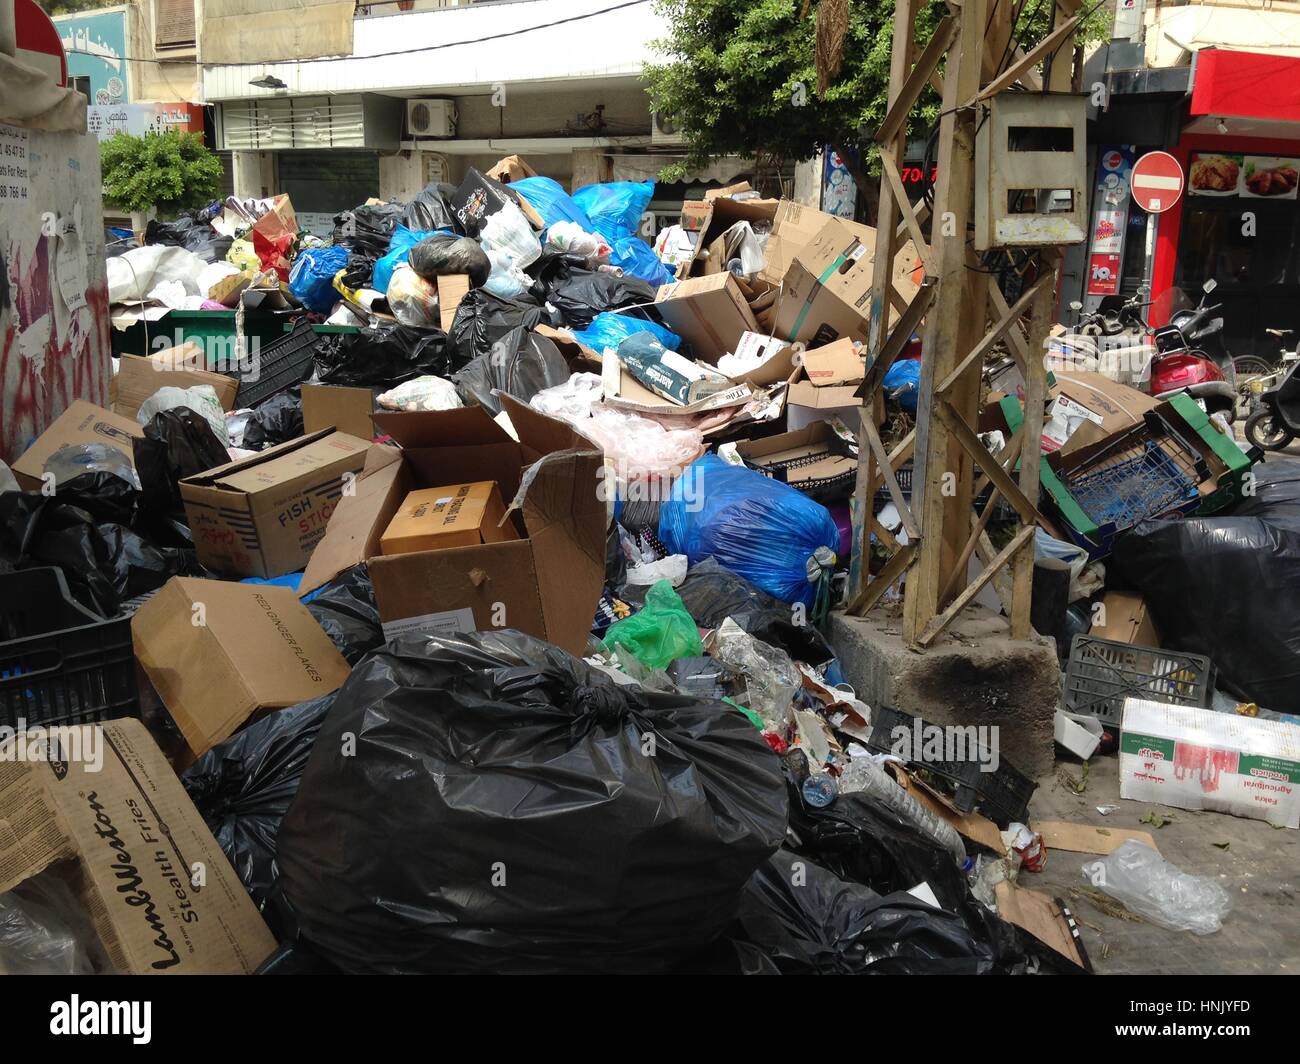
[(1190, 357), (1276, 423)]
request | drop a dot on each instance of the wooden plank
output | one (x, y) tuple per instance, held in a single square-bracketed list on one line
[(899, 336), (884, 535), (1026, 62), (1001, 308), (891, 481), (1088, 838), (890, 169), (928, 62), (995, 334), (965, 436), (882, 581), (939, 623), (922, 212)]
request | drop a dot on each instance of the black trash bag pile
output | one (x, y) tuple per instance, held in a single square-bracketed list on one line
[(346, 610), (521, 364), (471, 829), (192, 234), (445, 253), (368, 228), (1228, 586), (359, 270), (384, 355), (431, 209), (177, 443), (579, 295), (275, 420), (483, 318), (82, 531), (243, 787), (711, 593)]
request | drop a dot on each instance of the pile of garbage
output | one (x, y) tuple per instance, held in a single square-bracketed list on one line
[(504, 543)]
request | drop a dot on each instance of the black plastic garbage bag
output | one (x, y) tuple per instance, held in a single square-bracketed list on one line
[(445, 253), (275, 420), (346, 610), (711, 593), (431, 209), (385, 355), (521, 364), (579, 295), (483, 318), (360, 270), (499, 814), (1228, 587), (368, 228), (191, 234), (177, 443), (243, 787)]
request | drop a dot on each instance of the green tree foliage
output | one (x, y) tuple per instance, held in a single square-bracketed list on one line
[(68, 7), (171, 171), (740, 76)]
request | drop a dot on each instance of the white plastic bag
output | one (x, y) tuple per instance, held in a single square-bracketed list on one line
[(771, 678), (423, 393), (412, 299), (569, 238), (202, 399), (673, 569), (506, 279), (1150, 886), (571, 401), (508, 230)]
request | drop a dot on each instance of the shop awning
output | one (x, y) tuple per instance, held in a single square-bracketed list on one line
[(1253, 93)]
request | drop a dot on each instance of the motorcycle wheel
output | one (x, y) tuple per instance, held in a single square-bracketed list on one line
[(1263, 431), (1246, 368)]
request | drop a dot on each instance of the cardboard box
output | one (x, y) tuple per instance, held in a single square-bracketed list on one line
[(511, 168), (1127, 620), (458, 515), (807, 404), (333, 406), (137, 841), (780, 365), (837, 364), (479, 196), (220, 652), (794, 227), (137, 379), (452, 288), (82, 422), (709, 313), (264, 515), (545, 584), (786, 457), (1193, 758)]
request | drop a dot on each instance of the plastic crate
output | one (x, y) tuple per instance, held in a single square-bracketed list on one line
[(1002, 795), (212, 330), (1131, 490), (1101, 673), (59, 663), (280, 364)]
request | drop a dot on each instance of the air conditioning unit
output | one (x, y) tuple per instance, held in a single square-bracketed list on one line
[(431, 118), (663, 129)]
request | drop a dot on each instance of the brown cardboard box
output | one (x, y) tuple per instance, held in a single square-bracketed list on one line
[(138, 378), (833, 456), (794, 227), (827, 290), (1127, 620), (546, 584), (263, 516), (808, 403), (452, 288), (709, 313), (511, 168), (138, 843), (333, 406), (838, 363), (219, 651), (458, 515), (82, 422), (696, 214)]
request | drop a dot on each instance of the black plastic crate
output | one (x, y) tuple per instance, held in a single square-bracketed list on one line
[(280, 365), (1002, 796), (1101, 673), (59, 663)]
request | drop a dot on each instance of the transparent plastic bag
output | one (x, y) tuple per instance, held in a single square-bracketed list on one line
[(571, 401), (771, 678), (73, 459), (640, 447), (864, 776), (569, 238), (508, 230), (659, 634), (506, 278), (37, 935), (673, 569), (423, 393), (412, 299), (1150, 886)]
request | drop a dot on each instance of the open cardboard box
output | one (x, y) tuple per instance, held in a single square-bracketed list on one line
[(710, 313), (546, 583), (80, 423)]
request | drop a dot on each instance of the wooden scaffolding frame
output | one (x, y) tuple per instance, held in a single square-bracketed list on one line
[(971, 56)]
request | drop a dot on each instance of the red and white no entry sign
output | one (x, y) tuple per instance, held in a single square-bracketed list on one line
[(1157, 181)]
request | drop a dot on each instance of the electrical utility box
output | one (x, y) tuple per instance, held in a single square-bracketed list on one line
[(1030, 170)]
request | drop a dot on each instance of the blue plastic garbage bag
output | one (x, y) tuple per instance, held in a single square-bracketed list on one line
[(774, 536), (399, 249), (547, 197), (903, 382), (637, 259), (615, 208), (610, 330), (312, 278)]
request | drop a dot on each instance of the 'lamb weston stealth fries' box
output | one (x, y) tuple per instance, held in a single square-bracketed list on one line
[(263, 516)]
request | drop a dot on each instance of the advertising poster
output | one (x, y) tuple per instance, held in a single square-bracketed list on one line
[(96, 47), (1234, 175), (1109, 219)]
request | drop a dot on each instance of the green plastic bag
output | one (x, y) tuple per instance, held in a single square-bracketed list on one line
[(660, 633)]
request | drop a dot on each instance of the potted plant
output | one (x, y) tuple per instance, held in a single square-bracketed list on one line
[(158, 173)]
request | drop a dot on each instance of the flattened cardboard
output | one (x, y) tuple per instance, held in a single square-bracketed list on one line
[(264, 515), (452, 288), (256, 649), (82, 422), (709, 313), (139, 378), (817, 439), (455, 515), (135, 837), (1127, 620), (836, 364), (332, 406), (1089, 838), (546, 584), (1043, 918)]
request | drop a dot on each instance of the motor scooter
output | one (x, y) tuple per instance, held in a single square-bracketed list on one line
[(1276, 421), (1190, 357)]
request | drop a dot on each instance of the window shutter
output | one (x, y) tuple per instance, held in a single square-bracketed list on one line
[(174, 23)]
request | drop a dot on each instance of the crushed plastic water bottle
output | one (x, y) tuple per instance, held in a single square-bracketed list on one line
[(1150, 886), (864, 776)]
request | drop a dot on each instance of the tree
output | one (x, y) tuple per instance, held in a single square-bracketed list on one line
[(741, 76), (171, 171)]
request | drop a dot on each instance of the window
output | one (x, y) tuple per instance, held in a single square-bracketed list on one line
[(1237, 242), (173, 23), (82, 85)]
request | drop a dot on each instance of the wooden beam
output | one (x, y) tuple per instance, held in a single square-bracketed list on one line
[(902, 332), (922, 212), (1001, 308), (895, 180), (1026, 62), (958, 576), (992, 336), (939, 623), (965, 435), (891, 481), (882, 581), (926, 64)]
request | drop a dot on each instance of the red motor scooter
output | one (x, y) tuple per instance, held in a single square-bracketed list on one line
[(1190, 357)]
